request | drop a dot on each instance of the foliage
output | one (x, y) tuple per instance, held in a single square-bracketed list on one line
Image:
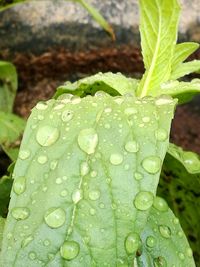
[(88, 168)]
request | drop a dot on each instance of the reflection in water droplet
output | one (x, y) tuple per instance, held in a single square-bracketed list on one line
[(84, 168), (88, 140), (24, 154), (132, 146), (20, 213), (161, 134), (165, 231), (152, 164), (69, 250), (132, 243), (94, 194), (150, 241), (47, 135), (143, 200), (55, 217), (77, 195), (160, 204), (67, 115), (19, 185), (116, 159), (138, 176)]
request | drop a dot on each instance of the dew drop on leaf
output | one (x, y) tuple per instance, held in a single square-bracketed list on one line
[(24, 154), (143, 200), (77, 195), (94, 194), (161, 134), (19, 185), (138, 176), (165, 231), (130, 111), (92, 211), (84, 168), (191, 161), (132, 243), (150, 241), (53, 164), (41, 106), (181, 256), (32, 255), (189, 252), (67, 115), (26, 241), (69, 250), (47, 135), (42, 159), (55, 217), (46, 242), (116, 158), (160, 262), (146, 119), (160, 204), (88, 140), (20, 213), (64, 193), (152, 164), (132, 146)]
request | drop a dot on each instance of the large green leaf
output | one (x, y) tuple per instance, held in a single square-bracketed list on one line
[(182, 52), (85, 179), (8, 86), (179, 184), (158, 29), (2, 223), (113, 84), (163, 240), (5, 188), (185, 69), (12, 128)]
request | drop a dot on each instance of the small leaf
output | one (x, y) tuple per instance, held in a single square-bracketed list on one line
[(164, 242), (88, 172), (158, 29), (184, 91), (179, 184), (185, 69), (5, 188), (12, 128), (113, 84), (8, 86), (182, 52)]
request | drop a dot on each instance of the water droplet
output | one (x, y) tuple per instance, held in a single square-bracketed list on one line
[(64, 193), (132, 146), (160, 204), (75, 100), (101, 205), (130, 111), (93, 174), (59, 181), (53, 164), (107, 110), (146, 119), (47, 135), (150, 241), (41, 106), (19, 185), (77, 195), (175, 220), (46, 242), (107, 126), (20, 213), (143, 200), (152, 164), (26, 241), (94, 194), (55, 217), (161, 134), (181, 256), (59, 106), (88, 140), (191, 161), (42, 159), (189, 252), (165, 231), (164, 100), (92, 211), (138, 176), (24, 154), (67, 115), (84, 168), (116, 159), (132, 243), (69, 250), (160, 262), (32, 255)]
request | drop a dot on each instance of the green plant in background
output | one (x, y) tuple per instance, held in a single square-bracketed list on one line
[(85, 181)]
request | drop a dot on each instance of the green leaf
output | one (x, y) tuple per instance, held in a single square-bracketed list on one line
[(164, 242), (8, 86), (82, 179), (158, 30), (182, 52), (5, 188), (185, 69), (179, 184), (12, 128), (184, 91), (98, 17), (111, 83), (2, 223)]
